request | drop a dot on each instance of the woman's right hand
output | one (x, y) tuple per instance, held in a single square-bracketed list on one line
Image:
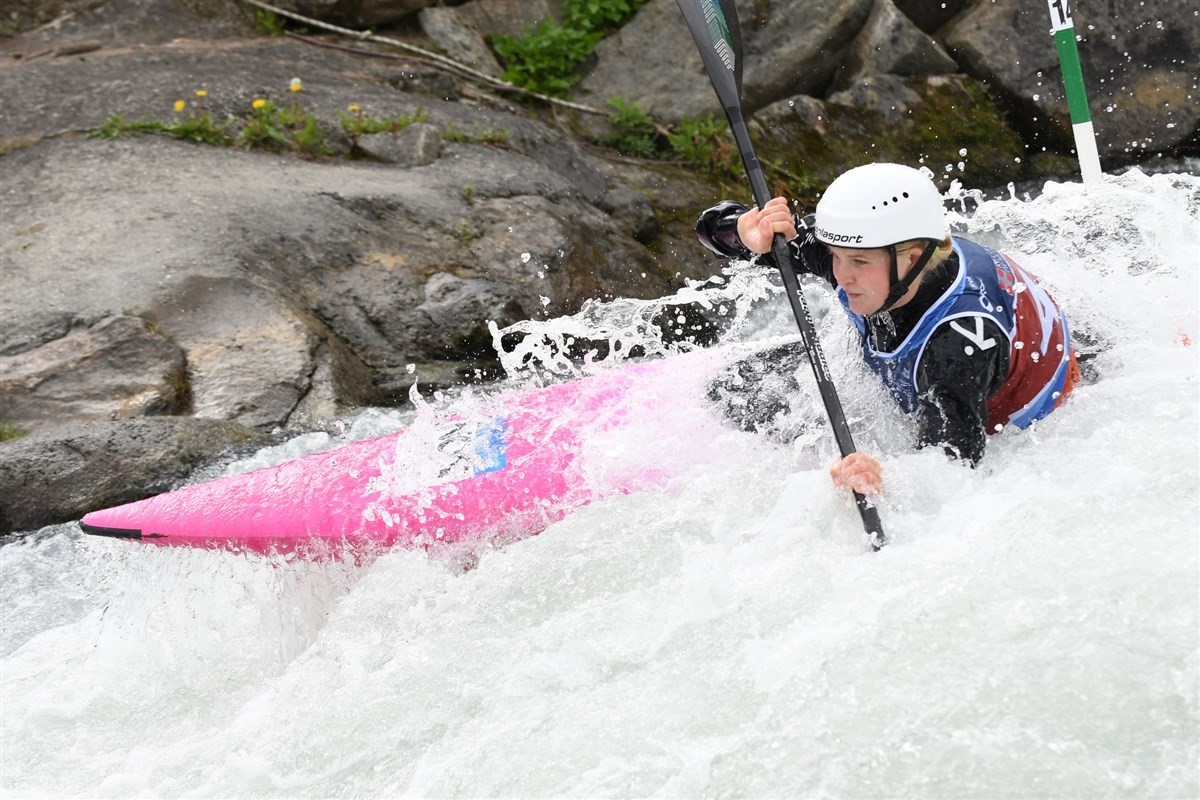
[(757, 228), (859, 472)]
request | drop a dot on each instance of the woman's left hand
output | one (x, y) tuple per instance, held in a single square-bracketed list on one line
[(859, 472)]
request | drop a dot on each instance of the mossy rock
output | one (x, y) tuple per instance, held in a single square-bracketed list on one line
[(944, 115)]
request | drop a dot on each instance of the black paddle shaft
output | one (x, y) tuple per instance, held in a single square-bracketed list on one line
[(714, 27)]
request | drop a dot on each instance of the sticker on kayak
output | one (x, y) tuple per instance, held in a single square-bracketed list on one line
[(443, 451), (491, 446), (473, 448)]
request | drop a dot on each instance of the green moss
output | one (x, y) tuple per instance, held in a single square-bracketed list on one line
[(8, 432), (491, 136), (268, 23), (954, 118), (951, 116), (181, 388), (359, 123), (465, 231)]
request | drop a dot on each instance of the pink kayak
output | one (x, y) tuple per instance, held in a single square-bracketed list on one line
[(488, 468)]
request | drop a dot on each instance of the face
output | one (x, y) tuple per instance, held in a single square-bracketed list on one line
[(865, 276)]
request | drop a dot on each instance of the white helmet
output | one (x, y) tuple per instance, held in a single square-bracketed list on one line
[(877, 205)]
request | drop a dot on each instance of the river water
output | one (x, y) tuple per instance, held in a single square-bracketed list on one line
[(1033, 630)]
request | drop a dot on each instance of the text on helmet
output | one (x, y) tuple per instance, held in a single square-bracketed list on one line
[(830, 236)]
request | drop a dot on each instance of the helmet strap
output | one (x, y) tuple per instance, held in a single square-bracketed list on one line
[(901, 287)]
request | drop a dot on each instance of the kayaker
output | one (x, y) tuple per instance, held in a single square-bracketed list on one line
[(964, 338)]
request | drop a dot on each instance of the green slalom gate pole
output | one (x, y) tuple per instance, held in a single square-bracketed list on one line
[(1063, 28)]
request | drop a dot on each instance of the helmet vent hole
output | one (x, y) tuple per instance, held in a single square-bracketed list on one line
[(906, 195), (895, 199)]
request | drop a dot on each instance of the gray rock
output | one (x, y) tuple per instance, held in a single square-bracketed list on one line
[(359, 13), (801, 110), (632, 212), (59, 475), (462, 41), (781, 58), (339, 383), (128, 23), (509, 17), (890, 44), (885, 94), (417, 145), (930, 16), (487, 17), (794, 47), (252, 262), (1138, 68), (249, 351), (116, 367)]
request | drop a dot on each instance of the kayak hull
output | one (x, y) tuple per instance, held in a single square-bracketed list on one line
[(486, 469)]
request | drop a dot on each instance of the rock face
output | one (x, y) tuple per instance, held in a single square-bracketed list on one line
[(115, 368), (889, 43), (462, 31), (250, 262), (1139, 68), (1138, 62), (361, 13), (62, 474), (782, 59)]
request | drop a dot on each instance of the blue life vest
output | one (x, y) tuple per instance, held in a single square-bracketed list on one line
[(988, 284)]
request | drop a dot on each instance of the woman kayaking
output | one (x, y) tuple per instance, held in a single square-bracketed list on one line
[(964, 338)]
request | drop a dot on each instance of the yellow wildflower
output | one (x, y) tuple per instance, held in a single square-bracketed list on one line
[(353, 107), (180, 105), (295, 85), (201, 93), (259, 103)]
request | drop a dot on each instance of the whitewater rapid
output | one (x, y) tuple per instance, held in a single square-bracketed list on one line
[(1033, 629)]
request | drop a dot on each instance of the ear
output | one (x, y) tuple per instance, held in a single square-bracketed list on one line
[(906, 259)]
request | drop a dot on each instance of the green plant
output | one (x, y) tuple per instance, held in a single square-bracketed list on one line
[(636, 133), (309, 137), (196, 129), (268, 22), (274, 128), (116, 126), (468, 194), (465, 231), (495, 137), (359, 123), (180, 387), (200, 129), (8, 432), (601, 15), (704, 143), (545, 59), (264, 128)]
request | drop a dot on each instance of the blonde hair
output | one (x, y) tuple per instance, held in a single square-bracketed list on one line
[(944, 248)]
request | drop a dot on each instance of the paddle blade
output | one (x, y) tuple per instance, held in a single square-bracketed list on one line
[(714, 27)]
